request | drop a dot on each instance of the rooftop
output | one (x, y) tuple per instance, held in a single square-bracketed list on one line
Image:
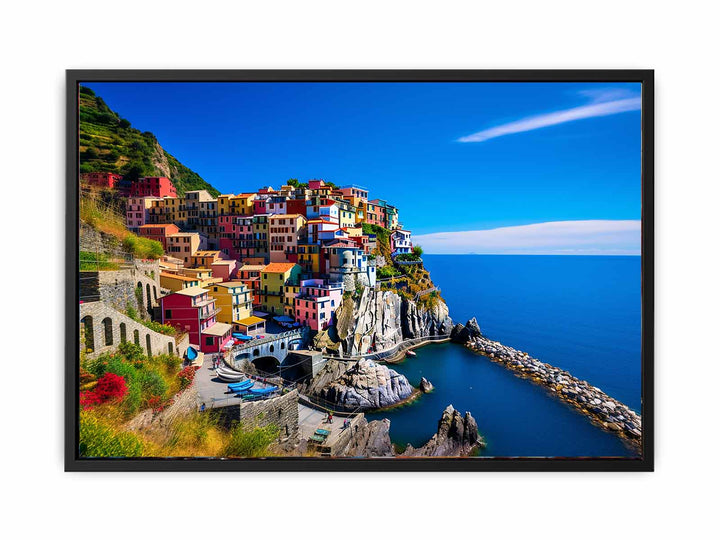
[(249, 321), (279, 268), (177, 276), (206, 253), (191, 291), (217, 329)]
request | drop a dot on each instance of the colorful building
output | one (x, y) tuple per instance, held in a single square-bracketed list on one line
[(286, 231), (159, 232), (233, 299), (177, 282), (401, 242), (101, 179), (260, 236), (249, 274), (137, 211), (309, 259), (236, 236), (316, 302), (185, 244), (193, 311), (274, 280), (354, 191), (153, 186)]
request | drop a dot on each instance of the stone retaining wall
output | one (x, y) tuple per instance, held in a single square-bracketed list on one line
[(110, 328), (281, 411)]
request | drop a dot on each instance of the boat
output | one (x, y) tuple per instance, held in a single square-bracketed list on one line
[(230, 376), (191, 354), (410, 353), (240, 386), (263, 391)]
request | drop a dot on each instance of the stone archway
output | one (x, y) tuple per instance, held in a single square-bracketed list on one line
[(123, 332), (149, 298), (87, 323), (107, 331), (267, 364), (148, 345), (136, 337)]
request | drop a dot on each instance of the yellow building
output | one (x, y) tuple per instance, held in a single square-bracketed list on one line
[(236, 205), (177, 282), (234, 301), (309, 258), (274, 282), (346, 215)]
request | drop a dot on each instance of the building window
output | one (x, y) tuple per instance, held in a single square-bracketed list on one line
[(208, 341)]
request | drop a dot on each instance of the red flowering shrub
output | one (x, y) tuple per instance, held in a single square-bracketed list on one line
[(186, 376), (110, 387)]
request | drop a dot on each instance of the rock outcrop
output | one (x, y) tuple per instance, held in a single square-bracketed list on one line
[(464, 333), (380, 320), (426, 386), (371, 439), (365, 385), (456, 436)]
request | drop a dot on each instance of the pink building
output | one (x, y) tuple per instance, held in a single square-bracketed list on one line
[(137, 212), (236, 236), (224, 269), (316, 303), (193, 311), (285, 233)]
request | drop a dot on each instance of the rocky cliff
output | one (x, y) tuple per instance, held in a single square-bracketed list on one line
[(456, 436), (379, 320), (371, 439)]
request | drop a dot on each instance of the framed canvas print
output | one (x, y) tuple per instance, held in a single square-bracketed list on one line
[(359, 270)]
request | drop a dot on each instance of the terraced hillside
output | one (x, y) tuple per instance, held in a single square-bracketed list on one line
[(109, 143)]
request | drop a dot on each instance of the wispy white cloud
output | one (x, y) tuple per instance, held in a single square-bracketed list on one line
[(590, 237), (605, 102)]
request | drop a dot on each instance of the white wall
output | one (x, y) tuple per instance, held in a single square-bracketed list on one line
[(678, 40)]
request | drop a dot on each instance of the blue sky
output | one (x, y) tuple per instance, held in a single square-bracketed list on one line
[(454, 157)]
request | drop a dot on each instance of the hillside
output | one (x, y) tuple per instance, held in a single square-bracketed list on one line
[(109, 143)]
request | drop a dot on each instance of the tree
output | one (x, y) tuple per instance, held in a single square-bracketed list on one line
[(124, 123), (418, 250)]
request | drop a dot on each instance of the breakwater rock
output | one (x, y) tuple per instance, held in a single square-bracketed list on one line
[(601, 408), (456, 436), (364, 385)]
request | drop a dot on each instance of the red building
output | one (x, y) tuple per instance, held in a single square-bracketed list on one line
[(193, 311), (296, 206), (158, 232), (101, 179), (153, 186)]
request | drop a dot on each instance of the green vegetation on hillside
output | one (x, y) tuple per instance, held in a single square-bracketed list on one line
[(109, 143)]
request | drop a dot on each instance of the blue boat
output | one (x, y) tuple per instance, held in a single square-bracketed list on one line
[(191, 353), (240, 386), (263, 391)]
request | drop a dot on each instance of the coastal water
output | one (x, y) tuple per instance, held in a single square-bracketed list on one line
[(578, 313)]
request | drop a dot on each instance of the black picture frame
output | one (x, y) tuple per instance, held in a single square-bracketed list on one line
[(74, 463)]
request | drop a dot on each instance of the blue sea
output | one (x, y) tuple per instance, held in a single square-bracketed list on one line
[(580, 313)]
